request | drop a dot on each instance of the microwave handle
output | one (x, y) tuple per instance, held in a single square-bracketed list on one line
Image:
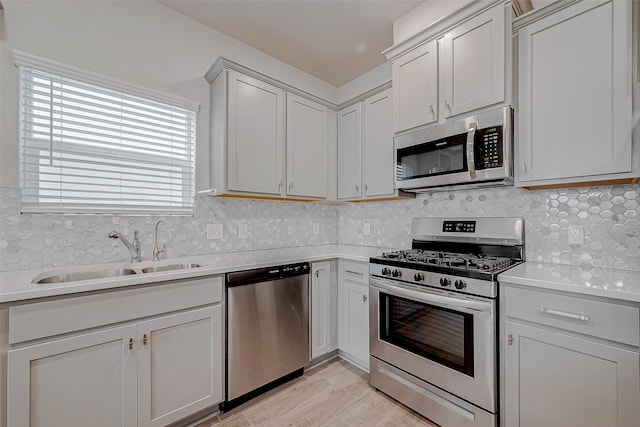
[(471, 136)]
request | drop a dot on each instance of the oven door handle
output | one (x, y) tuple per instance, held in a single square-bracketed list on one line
[(434, 299)]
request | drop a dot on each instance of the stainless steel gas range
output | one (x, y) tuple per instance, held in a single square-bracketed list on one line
[(433, 317)]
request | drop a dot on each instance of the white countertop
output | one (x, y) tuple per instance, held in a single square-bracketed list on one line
[(607, 283), (17, 285)]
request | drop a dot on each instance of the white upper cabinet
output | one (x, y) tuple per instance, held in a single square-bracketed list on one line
[(350, 152), (255, 139), (378, 148), (457, 65), (306, 147), (473, 63), (366, 155), (415, 87), (267, 139), (575, 95)]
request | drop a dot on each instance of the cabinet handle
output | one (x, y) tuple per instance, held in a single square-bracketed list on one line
[(130, 343), (357, 187), (446, 104), (523, 168), (366, 187), (364, 298), (564, 314), (144, 339), (510, 339), (359, 273), (317, 273), (432, 111), (290, 186), (280, 186)]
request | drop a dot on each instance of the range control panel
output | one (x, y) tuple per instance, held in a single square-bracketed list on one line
[(489, 148), (459, 226)]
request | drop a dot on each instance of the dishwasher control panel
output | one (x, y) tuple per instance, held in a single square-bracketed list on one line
[(266, 274)]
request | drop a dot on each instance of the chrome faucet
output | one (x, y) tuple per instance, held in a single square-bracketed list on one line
[(156, 250), (134, 247)]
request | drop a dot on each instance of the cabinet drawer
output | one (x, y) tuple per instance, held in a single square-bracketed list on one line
[(356, 271), (60, 316), (600, 319)]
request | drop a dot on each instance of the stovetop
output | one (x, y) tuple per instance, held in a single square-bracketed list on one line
[(456, 264), (455, 254), (450, 260)]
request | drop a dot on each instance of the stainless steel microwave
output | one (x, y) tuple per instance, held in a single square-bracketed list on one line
[(476, 151)]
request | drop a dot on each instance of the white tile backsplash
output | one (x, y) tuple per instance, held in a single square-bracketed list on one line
[(610, 217)]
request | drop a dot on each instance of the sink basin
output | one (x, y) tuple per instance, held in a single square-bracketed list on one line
[(170, 267), (85, 275)]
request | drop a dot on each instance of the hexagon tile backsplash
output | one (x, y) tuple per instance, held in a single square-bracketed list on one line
[(610, 217), (33, 241)]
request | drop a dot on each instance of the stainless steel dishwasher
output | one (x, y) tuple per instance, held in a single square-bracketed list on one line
[(267, 329)]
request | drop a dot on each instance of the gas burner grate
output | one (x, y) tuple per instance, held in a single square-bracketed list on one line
[(449, 259)]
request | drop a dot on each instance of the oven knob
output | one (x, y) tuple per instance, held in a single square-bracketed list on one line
[(460, 284), (396, 273), (444, 281), (386, 271), (418, 277)]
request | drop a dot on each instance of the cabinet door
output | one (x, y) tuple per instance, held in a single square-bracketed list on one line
[(85, 380), (354, 324), (379, 166), (306, 147), (473, 66), (180, 365), (320, 308), (350, 152), (415, 87), (574, 92), (255, 135), (553, 379)]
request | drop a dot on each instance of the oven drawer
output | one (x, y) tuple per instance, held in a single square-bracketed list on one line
[(595, 318), (356, 271)]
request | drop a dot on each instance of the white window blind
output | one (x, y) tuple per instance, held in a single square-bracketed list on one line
[(92, 149)]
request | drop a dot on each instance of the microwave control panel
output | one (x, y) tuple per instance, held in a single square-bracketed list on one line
[(489, 148)]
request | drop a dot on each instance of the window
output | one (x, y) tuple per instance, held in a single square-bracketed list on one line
[(95, 148)]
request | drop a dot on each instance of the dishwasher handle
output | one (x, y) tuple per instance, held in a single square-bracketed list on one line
[(248, 277)]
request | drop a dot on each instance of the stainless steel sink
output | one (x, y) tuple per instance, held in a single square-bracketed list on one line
[(170, 267), (85, 275)]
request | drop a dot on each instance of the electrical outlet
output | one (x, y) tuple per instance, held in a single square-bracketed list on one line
[(214, 231), (575, 235), (316, 228), (366, 229), (243, 230)]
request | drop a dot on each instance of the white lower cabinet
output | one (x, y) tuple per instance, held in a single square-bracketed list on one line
[(569, 361), (85, 380), (151, 372), (323, 313), (554, 379), (353, 280), (178, 359)]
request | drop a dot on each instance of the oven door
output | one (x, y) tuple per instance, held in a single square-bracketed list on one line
[(443, 338)]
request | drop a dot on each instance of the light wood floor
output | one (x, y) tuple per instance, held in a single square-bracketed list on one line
[(335, 394)]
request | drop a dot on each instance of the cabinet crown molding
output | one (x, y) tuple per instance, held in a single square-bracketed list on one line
[(441, 25), (223, 63), (537, 14)]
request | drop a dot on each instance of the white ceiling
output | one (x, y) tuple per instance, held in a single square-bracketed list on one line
[(333, 40)]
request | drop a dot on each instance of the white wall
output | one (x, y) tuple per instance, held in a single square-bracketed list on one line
[(361, 84), (423, 15), (141, 42)]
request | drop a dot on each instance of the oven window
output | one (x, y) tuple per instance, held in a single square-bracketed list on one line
[(439, 334), (433, 158)]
